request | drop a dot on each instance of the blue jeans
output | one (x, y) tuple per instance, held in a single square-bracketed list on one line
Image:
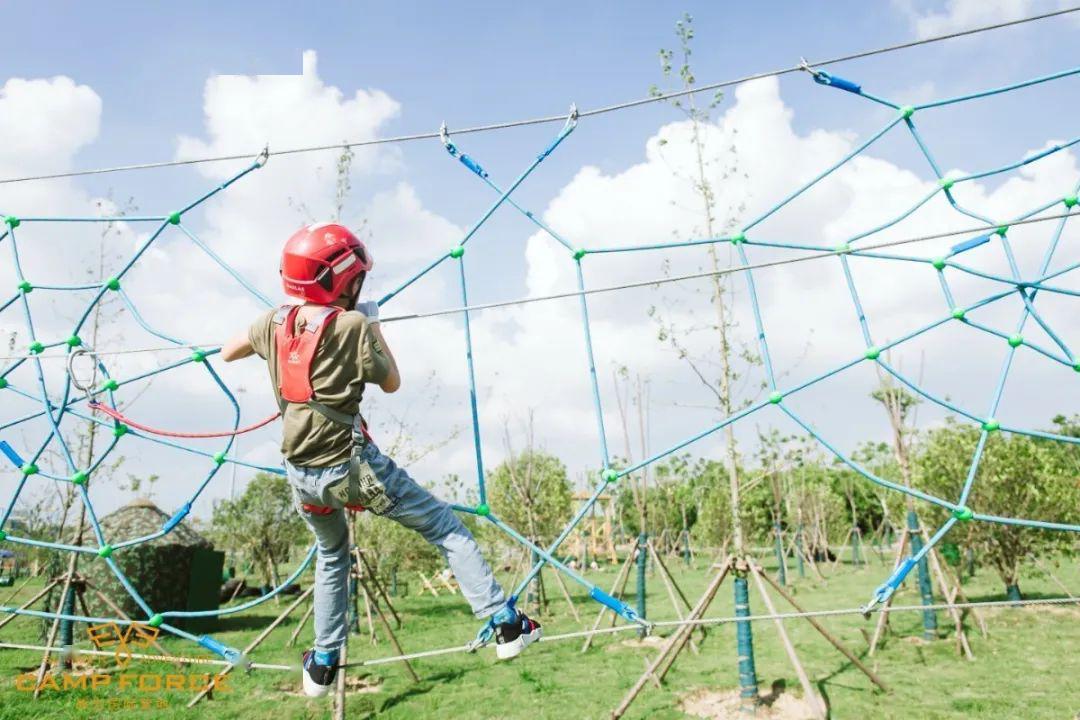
[(405, 502)]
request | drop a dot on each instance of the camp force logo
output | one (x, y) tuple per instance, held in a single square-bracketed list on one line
[(123, 641), (111, 635)]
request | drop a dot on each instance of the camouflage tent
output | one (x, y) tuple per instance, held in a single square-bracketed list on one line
[(180, 571)]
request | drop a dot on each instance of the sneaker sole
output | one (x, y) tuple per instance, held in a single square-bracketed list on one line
[(313, 689), (514, 648)]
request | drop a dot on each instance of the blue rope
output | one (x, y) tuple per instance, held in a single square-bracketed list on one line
[(56, 410)]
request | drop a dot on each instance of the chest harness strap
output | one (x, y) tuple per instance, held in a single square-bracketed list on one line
[(295, 352)]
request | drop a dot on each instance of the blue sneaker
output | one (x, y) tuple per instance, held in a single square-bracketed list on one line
[(320, 669)]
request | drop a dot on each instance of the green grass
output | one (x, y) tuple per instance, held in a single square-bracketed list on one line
[(1026, 668)]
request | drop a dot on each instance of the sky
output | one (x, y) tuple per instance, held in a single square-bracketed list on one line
[(117, 83)]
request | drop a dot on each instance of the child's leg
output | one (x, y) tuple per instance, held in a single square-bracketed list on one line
[(417, 509), (331, 562)]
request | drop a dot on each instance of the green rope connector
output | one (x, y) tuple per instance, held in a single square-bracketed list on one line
[(907, 111), (991, 425), (1000, 232), (29, 469), (3, 383), (109, 385), (74, 341), (580, 253), (113, 283), (105, 551), (219, 458), (11, 221), (842, 248), (938, 263), (174, 218), (120, 430), (1016, 340), (457, 251), (3, 536), (198, 356), (963, 514), (80, 477), (958, 313), (946, 183), (610, 475), (1070, 201), (26, 287), (155, 620), (775, 398), (483, 510), (738, 239), (872, 353), (36, 347), (1076, 367)]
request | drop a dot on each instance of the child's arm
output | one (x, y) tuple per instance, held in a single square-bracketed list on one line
[(393, 378), (370, 310), (237, 348)]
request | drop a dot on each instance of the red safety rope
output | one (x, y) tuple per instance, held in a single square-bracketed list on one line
[(119, 416)]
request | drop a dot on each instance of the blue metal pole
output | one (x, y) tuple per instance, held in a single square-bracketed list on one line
[(744, 639), (926, 590), (642, 561)]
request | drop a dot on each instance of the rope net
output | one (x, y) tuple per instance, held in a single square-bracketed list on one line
[(72, 404)]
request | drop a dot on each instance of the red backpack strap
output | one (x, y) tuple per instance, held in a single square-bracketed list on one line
[(295, 351)]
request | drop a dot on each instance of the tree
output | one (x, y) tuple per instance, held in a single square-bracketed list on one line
[(262, 524), (530, 490), (1018, 476)]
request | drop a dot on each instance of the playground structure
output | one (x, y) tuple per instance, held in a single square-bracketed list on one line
[(81, 402), (594, 538)]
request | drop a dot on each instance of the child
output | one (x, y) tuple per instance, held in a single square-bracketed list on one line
[(321, 354)]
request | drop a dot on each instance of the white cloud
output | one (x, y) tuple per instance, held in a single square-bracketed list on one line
[(532, 357), (965, 14)]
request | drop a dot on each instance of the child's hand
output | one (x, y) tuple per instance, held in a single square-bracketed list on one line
[(370, 309)]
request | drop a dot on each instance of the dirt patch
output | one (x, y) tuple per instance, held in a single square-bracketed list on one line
[(725, 705), (650, 642), (353, 685)]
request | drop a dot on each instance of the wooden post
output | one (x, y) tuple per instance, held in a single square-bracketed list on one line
[(826, 634), (390, 633), (566, 595), (674, 644), (115, 608), (616, 591), (339, 689), (44, 591), (300, 626), (812, 699), (55, 626), (427, 584), (253, 644), (883, 615), (374, 581), (675, 594)]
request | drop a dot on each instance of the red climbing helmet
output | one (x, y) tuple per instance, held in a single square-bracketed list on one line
[(319, 261)]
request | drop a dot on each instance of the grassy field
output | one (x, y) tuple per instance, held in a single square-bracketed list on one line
[(1027, 667)]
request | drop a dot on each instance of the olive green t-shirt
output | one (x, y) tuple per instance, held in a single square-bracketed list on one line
[(348, 356)]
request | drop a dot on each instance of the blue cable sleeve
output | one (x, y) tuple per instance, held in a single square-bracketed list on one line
[(823, 78), (969, 244), (11, 455), (177, 518), (230, 654)]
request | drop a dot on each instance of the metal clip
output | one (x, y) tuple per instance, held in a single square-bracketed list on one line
[(263, 156), (444, 136), (572, 116), (803, 65), (86, 390)]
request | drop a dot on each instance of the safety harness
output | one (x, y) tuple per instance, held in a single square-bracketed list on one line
[(295, 352)]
